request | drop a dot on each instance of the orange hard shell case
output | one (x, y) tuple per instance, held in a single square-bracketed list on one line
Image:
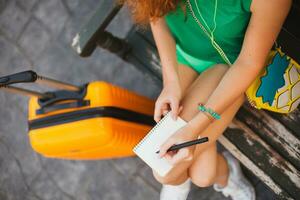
[(108, 127)]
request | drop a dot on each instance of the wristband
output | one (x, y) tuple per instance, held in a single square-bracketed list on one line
[(202, 108)]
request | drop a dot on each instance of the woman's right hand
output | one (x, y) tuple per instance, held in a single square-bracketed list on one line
[(169, 99), (171, 93)]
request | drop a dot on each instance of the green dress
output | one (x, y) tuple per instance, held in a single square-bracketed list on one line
[(193, 47)]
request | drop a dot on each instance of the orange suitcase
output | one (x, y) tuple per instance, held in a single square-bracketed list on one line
[(98, 120)]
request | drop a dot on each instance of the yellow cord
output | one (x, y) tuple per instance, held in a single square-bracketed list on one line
[(211, 34)]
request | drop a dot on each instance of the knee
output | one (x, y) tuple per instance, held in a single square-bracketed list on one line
[(166, 180), (202, 179)]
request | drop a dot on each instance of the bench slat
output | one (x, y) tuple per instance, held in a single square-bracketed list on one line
[(292, 21), (147, 35), (291, 121), (296, 3), (290, 45), (235, 151), (144, 54), (273, 132), (281, 172)]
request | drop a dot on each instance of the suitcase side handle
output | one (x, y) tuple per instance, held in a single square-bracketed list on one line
[(21, 77)]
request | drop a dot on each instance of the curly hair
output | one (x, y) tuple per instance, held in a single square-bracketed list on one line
[(144, 11)]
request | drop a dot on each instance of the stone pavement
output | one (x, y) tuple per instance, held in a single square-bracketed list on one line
[(37, 35)]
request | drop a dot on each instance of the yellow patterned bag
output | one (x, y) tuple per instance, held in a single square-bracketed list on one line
[(277, 87)]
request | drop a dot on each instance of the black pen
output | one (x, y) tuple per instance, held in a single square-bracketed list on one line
[(187, 144)]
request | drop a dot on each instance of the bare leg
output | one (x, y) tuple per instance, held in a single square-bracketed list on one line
[(222, 171), (217, 169), (187, 76), (200, 90)]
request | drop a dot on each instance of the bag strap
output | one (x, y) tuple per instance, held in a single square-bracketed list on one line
[(210, 36)]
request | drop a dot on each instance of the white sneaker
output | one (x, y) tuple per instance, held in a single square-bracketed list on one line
[(238, 187), (176, 192)]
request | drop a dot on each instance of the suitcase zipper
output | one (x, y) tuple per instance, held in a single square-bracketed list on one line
[(104, 111)]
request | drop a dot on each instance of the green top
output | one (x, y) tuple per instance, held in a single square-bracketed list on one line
[(232, 19)]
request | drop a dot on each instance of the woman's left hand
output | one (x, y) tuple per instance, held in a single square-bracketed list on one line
[(184, 134)]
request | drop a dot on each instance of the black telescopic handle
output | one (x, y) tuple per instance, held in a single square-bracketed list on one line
[(21, 77), (31, 76)]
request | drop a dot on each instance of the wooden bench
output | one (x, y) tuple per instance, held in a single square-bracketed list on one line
[(266, 143)]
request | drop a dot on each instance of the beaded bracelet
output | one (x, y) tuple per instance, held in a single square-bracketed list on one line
[(202, 108), (211, 118)]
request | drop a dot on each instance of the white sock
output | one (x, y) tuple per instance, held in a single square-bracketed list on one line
[(219, 186), (184, 185)]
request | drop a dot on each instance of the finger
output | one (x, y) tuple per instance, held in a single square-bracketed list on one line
[(174, 108), (165, 109), (171, 153), (181, 155), (180, 109), (157, 110), (168, 157), (165, 146), (165, 112)]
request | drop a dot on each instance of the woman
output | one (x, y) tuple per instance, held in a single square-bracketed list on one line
[(194, 72)]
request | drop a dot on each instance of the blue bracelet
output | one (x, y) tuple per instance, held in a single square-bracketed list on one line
[(215, 115)]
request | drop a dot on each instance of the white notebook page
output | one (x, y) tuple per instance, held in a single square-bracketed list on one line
[(151, 143)]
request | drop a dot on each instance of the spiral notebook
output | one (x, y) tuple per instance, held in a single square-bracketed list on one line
[(146, 149)]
